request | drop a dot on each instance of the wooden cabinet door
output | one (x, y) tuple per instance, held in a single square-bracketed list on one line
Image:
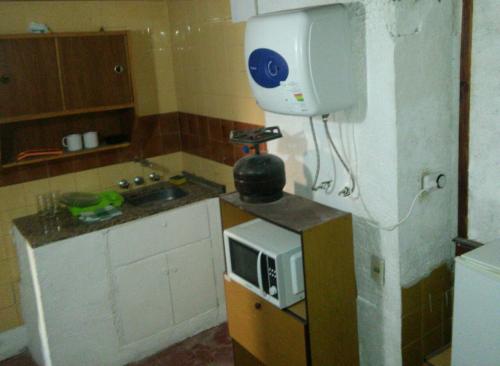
[(143, 298), (29, 77), (271, 335), (95, 71), (192, 280)]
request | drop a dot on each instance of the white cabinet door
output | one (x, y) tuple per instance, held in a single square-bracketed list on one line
[(143, 298), (156, 234), (192, 280), (74, 306)]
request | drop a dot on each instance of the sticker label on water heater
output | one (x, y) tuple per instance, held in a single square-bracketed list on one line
[(295, 90), (294, 96), (299, 97)]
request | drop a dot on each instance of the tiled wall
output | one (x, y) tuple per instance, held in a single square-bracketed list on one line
[(207, 150), (208, 137), (427, 316), (209, 61), (150, 53)]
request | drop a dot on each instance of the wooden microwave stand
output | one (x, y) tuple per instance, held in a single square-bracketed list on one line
[(320, 330)]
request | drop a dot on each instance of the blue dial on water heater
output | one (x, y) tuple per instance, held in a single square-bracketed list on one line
[(267, 67)]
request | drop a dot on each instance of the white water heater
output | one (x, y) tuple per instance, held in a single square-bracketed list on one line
[(299, 62)]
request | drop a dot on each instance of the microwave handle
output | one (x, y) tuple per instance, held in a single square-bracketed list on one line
[(259, 274)]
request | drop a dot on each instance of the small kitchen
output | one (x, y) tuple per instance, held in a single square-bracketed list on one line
[(242, 182)]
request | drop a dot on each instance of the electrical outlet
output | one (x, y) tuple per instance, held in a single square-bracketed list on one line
[(378, 270), (433, 181)]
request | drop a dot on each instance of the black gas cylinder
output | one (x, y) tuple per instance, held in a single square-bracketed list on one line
[(259, 178)]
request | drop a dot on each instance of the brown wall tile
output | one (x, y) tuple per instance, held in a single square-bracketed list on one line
[(432, 341), (203, 124), (447, 331), (432, 311), (412, 354), (412, 328), (209, 137), (411, 297), (153, 146), (426, 318), (171, 143), (193, 125), (215, 130), (169, 123), (184, 123)]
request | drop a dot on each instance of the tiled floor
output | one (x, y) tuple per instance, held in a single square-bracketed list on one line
[(21, 360), (209, 348)]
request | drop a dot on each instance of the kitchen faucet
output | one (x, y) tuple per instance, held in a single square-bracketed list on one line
[(144, 162)]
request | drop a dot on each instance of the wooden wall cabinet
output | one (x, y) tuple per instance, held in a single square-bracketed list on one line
[(56, 84), (29, 77), (58, 74), (95, 71), (322, 329)]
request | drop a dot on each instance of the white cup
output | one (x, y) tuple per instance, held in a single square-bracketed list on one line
[(72, 142), (90, 140)]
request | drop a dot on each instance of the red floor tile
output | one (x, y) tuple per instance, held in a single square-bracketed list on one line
[(209, 348)]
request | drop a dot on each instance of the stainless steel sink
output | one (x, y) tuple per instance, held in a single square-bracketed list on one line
[(158, 192)]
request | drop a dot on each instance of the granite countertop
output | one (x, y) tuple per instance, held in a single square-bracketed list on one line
[(291, 212), (40, 231)]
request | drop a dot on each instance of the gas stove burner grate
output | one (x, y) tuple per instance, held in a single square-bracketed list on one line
[(255, 136)]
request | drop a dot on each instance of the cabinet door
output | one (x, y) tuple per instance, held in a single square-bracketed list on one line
[(143, 298), (192, 280), (271, 335), (95, 71), (159, 233), (29, 77)]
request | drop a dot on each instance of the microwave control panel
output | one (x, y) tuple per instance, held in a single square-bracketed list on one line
[(271, 273)]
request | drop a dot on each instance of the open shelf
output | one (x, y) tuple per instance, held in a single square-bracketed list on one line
[(73, 112), (66, 155)]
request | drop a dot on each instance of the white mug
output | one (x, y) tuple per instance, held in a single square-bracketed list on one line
[(90, 140), (72, 142)]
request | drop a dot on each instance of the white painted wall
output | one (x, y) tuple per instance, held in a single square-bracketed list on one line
[(394, 133), (484, 150), (426, 56)]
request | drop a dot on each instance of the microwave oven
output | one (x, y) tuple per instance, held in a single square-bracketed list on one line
[(267, 260)]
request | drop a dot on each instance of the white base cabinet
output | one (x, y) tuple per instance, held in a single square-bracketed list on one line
[(118, 295)]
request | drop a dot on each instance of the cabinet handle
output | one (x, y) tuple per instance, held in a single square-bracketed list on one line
[(4, 79), (258, 305), (119, 69)]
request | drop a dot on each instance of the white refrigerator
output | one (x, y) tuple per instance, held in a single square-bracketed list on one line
[(476, 309)]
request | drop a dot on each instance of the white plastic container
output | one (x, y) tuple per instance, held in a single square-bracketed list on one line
[(299, 61)]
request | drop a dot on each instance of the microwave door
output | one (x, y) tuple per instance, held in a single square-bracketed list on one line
[(244, 262), (259, 272)]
